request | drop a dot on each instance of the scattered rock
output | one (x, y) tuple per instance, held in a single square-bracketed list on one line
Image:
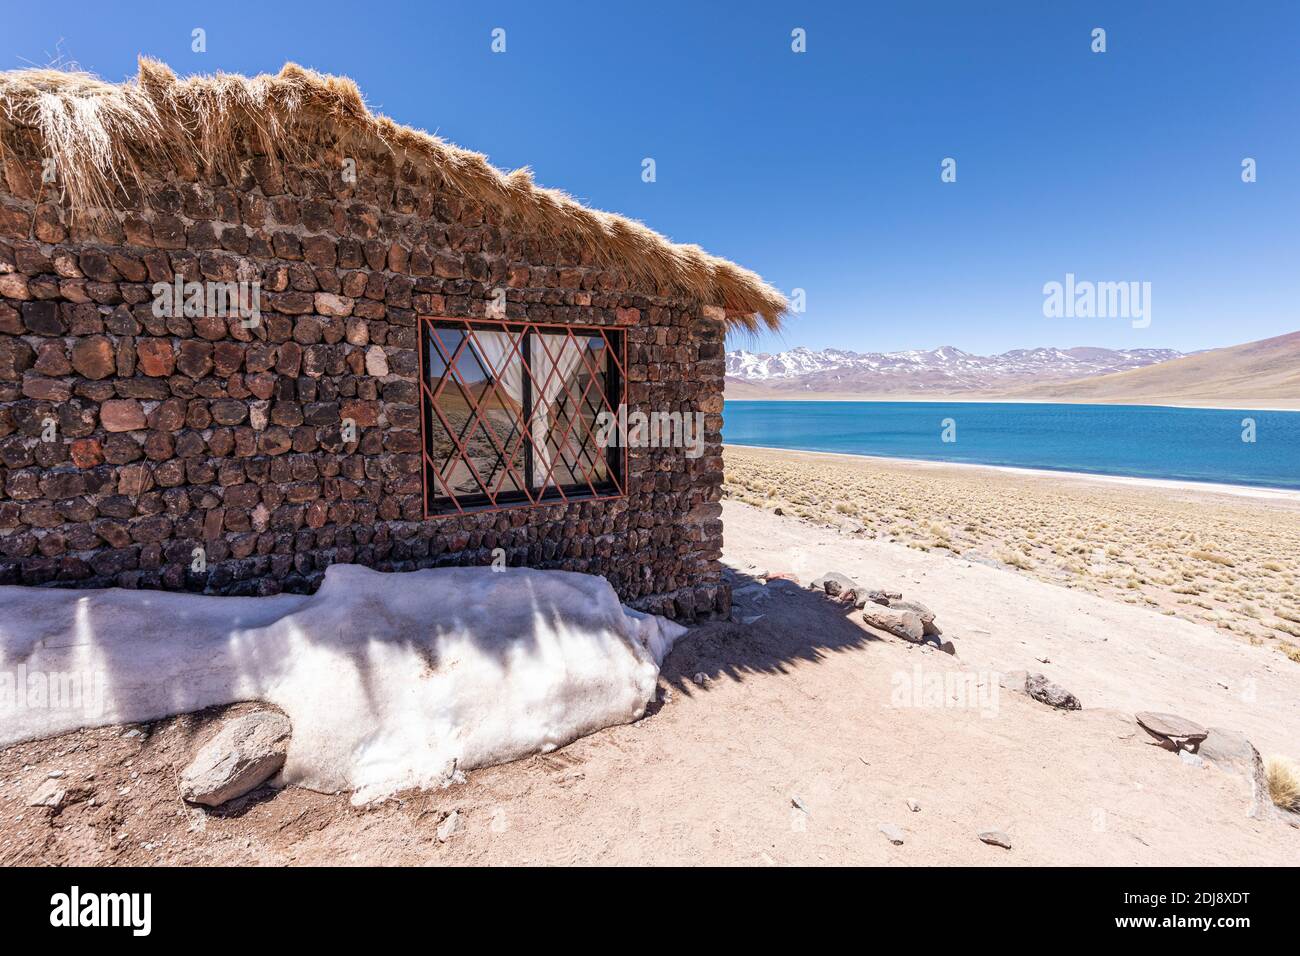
[(244, 754), (1053, 695), (892, 833), (948, 647), (996, 838), (833, 583), (900, 623), (700, 678), (1171, 731), (55, 794), (864, 596), (49, 794), (797, 802), (1194, 760), (913, 805), (449, 826), (927, 616)]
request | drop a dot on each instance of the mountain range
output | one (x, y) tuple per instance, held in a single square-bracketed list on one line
[(945, 370), (1262, 374)]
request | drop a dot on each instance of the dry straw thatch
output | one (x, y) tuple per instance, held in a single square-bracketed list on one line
[(103, 135)]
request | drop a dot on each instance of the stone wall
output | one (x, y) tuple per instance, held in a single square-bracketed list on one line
[(127, 441)]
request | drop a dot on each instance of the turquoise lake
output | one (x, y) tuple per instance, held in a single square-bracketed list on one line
[(1143, 441)]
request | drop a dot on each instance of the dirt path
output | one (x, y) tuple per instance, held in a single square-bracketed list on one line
[(802, 706)]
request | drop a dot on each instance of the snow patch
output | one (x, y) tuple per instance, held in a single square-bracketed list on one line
[(390, 680), (970, 370)]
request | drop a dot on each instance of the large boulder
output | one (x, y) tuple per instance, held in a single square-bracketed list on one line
[(1230, 751), (897, 621), (1053, 695), (244, 754)]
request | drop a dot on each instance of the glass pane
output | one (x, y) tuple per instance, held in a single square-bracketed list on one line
[(498, 446), (477, 413), (568, 392)]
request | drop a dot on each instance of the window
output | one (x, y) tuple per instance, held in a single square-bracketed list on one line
[(511, 413)]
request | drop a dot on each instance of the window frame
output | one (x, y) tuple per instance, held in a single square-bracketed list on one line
[(440, 501)]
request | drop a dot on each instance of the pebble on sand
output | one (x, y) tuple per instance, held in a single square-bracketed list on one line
[(449, 826), (996, 838), (892, 833)]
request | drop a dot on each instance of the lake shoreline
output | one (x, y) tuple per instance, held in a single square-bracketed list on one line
[(1286, 405), (1179, 484)]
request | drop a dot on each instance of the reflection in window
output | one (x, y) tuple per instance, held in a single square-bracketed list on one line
[(474, 437)]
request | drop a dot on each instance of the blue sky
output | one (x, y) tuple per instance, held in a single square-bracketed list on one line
[(821, 170)]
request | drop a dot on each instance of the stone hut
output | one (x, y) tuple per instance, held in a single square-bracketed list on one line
[(249, 329)]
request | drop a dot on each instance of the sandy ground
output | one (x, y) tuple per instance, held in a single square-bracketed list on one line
[(1222, 556), (786, 740)]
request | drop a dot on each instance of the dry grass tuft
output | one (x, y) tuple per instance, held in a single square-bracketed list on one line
[(1283, 776), (102, 136)]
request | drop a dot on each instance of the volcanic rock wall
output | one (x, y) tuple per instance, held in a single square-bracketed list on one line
[(134, 445)]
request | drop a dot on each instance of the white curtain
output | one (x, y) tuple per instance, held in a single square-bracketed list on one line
[(493, 347), (563, 354)]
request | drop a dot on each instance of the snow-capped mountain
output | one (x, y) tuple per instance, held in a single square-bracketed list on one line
[(944, 369)]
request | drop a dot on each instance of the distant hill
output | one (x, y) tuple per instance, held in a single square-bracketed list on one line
[(1266, 373), (942, 371)]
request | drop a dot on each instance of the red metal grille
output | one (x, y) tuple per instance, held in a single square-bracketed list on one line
[(510, 413)]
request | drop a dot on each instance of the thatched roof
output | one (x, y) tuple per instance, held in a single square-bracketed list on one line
[(101, 135)]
